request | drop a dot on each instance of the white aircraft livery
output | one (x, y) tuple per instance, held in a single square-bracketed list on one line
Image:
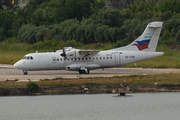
[(85, 60)]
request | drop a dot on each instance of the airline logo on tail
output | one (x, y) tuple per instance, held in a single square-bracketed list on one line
[(142, 44)]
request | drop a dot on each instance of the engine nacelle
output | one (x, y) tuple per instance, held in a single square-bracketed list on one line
[(72, 53)]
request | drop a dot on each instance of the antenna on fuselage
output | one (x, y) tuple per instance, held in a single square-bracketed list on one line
[(54, 50)]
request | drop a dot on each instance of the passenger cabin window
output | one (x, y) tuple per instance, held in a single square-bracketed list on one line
[(57, 59), (96, 58), (107, 57), (100, 58), (110, 57), (90, 58), (103, 57), (82, 58)]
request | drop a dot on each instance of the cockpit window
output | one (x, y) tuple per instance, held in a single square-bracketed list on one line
[(27, 58), (24, 57)]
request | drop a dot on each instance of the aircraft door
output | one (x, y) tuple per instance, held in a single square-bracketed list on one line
[(117, 58)]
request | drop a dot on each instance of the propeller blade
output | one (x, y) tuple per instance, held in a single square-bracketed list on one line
[(64, 54)]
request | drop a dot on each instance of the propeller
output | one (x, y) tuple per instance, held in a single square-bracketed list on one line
[(64, 54)]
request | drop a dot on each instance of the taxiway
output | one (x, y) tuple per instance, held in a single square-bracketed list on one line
[(11, 74)]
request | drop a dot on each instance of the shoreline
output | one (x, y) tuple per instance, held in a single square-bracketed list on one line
[(88, 89), (164, 82)]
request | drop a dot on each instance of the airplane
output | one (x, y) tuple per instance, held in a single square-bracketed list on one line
[(83, 61)]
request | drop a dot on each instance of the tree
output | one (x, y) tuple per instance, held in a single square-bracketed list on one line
[(170, 5), (121, 3), (5, 3), (35, 3), (6, 20), (27, 33), (61, 10), (110, 17), (23, 16), (1, 33)]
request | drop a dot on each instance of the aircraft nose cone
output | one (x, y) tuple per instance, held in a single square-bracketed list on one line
[(17, 65)]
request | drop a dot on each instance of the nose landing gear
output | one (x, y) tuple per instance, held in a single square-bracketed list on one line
[(25, 72)]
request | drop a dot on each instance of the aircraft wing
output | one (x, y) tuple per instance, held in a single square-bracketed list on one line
[(88, 52)]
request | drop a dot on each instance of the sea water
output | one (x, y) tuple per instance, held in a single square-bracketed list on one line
[(139, 106)]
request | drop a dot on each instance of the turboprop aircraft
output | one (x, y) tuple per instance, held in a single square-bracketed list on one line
[(85, 60)]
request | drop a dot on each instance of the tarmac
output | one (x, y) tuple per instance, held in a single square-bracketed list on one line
[(7, 72)]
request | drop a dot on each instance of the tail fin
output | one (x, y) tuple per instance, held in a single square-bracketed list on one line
[(147, 41)]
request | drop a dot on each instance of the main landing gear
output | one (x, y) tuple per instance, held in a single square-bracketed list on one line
[(25, 72), (83, 71)]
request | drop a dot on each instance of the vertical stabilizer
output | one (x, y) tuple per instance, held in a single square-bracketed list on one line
[(147, 41)]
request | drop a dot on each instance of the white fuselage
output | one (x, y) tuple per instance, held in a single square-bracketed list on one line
[(104, 59)]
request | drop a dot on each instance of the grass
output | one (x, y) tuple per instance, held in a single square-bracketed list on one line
[(161, 79), (10, 58), (158, 62)]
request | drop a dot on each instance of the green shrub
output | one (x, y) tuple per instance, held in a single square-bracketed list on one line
[(33, 86)]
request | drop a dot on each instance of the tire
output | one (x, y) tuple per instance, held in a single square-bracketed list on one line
[(25, 72), (81, 71), (86, 72)]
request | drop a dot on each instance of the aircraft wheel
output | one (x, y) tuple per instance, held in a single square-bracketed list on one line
[(81, 71), (86, 72), (25, 72)]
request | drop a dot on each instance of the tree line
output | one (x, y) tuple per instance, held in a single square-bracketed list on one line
[(89, 21)]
